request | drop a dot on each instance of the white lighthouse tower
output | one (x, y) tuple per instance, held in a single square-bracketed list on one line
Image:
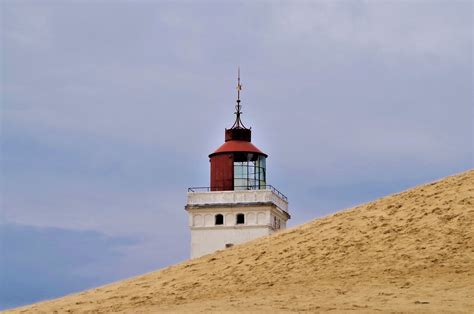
[(239, 205)]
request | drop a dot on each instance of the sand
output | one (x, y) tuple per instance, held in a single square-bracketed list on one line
[(408, 252)]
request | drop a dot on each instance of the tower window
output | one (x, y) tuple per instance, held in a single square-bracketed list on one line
[(240, 219), (219, 219)]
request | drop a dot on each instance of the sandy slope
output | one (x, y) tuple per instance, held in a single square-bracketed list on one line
[(410, 252)]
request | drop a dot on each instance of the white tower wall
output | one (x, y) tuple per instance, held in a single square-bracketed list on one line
[(265, 211)]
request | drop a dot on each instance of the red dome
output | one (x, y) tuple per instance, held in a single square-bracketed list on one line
[(238, 146)]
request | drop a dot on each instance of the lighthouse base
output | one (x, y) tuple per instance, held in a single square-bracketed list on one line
[(206, 241)]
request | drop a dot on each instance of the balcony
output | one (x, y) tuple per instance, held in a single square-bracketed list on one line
[(203, 196)]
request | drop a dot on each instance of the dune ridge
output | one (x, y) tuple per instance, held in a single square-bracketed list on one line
[(408, 252)]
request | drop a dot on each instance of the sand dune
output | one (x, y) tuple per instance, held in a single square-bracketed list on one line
[(408, 252)]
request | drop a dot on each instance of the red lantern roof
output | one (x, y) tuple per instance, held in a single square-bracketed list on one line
[(234, 146)]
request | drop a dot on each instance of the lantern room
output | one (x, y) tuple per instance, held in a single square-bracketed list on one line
[(238, 164)]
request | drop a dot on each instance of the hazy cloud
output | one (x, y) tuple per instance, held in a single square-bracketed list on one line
[(42, 263)]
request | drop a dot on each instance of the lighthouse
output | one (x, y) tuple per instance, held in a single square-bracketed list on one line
[(238, 205)]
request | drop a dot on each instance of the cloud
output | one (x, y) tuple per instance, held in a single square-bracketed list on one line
[(396, 29), (27, 26), (43, 263)]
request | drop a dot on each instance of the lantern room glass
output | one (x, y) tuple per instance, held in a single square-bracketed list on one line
[(249, 171)]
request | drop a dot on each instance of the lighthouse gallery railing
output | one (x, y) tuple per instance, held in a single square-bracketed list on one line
[(239, 188)]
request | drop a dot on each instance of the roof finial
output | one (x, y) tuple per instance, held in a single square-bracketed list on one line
[(238, 123), (239, 86)]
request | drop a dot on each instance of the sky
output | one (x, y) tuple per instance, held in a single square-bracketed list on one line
[(109, 110)]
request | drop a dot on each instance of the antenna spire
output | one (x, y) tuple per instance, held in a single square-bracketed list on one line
[(238, 123), (239, 87)]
